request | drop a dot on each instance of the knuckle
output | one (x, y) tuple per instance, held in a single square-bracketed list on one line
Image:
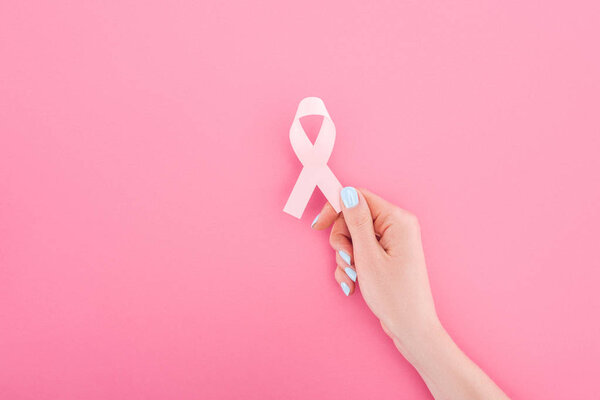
[(332, 239), (337, 233), (405, 218), (362, 222), (337, 275), (397, 213), (412, 220)]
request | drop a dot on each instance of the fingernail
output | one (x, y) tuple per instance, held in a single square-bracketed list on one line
[(351, 273), (349, 196), (314, 222), (345, 256), (345, 288)]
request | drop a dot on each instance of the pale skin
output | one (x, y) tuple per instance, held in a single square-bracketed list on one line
[(384, 245)]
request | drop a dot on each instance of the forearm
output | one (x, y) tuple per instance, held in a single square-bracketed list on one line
[(447, 371)]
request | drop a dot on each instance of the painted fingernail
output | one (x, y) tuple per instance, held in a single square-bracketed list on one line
[(314, 222), (351, 273), (349, 196), (345, 288), (345, 256)]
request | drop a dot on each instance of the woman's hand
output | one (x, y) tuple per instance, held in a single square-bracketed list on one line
[(378, 246)]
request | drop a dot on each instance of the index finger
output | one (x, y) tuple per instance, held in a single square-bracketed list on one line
[(325, 218)]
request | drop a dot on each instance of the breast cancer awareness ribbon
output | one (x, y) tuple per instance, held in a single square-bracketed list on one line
[(315, 171)]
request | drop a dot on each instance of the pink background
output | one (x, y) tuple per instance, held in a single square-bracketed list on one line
[(145, 162)]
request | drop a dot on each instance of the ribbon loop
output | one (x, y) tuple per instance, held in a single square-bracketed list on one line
[(315, 172)]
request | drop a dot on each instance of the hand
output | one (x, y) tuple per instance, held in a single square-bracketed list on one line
[(379, 245)]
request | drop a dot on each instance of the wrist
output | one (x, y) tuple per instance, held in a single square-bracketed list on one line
[(420, 345), (445, 369)]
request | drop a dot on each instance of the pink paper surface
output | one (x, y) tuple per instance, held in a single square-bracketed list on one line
[(145, 160)]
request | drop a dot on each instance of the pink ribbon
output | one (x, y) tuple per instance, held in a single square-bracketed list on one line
[(315, 171)]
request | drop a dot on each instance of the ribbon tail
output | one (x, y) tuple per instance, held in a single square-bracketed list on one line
[(331, 188), (301, 193)]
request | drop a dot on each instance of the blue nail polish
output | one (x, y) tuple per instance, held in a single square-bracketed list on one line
[(349, 196), (345, 256), (314, 221), (345, 288), (351, 273)]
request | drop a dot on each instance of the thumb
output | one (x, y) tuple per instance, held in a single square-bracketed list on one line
[(359, 220)]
